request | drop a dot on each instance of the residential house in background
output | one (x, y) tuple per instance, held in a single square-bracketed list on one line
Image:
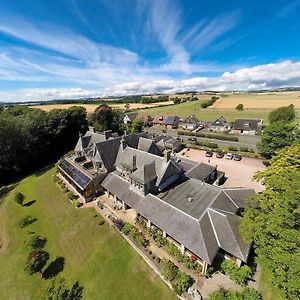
[(220, 125), (247, 126), (145, 118), (158, 120), (190, 122), (129, 117), (171, 122)]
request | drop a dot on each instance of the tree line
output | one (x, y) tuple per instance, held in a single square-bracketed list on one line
[(31, 139)]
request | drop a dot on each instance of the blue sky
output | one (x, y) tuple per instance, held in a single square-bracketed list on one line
[(71, 48)]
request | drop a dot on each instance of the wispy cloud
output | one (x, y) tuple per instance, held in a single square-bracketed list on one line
[(288, 9), (268, 76)]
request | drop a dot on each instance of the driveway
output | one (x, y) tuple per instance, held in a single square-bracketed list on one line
[(238, 173)]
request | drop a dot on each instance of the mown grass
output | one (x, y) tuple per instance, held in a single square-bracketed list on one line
[(210, 114), (268, 291), (97, 256)]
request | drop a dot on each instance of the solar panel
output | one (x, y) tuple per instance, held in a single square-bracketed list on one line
[(81, 179)]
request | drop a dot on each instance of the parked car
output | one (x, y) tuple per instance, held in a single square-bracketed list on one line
[(209, 153), (219, 155), (237, 157), (229, 156)]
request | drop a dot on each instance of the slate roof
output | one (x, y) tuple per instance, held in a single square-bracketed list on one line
[(200, 216), (171, 120), (162, 167), (220, 122), (191, 120), (149, 146), (247, 124), (201, 171)]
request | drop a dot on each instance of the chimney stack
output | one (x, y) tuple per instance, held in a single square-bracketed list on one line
[(167, 155), (134, 162), (91, 129), (123, 143), (107, 134)]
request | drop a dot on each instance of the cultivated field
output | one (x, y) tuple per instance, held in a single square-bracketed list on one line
[(255, 106), (90, 108), (97, 256), (259, 100)]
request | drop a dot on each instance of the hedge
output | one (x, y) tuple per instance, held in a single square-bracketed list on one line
[(210, 136)]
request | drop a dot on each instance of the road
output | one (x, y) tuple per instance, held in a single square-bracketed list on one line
[(244, 140)]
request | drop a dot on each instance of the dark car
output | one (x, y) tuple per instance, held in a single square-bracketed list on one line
[(193, 139), (219, 155), (237, 157), (209, 153)]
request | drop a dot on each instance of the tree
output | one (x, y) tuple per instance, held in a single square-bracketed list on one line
[(36, 242), (240, 107), (176, 100), (271, 221), (277, 136), (182, 282), (284, 114), (106, 118), (19, 198), (36, 261), (127, 106), (137, 126), (58, 290)]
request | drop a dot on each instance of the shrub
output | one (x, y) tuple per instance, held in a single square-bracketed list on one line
[(119, 223), (26, 221), (208, 103), (209, 135), (127, 227), (168, 269), (77, 203), (240, 107), (36, 242), (164, 130), (182, 282), (64, 189), (19, 198), (212, 145), (239, 275), (101, 222), (36, 261), (244, 149), (232, 148), (70, 195)]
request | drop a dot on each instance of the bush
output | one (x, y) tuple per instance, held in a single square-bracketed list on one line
[(168, 269), (36, 261), (26, 221), (209, 135), (208, 103), (101, 222), (127, 227), (212, 145), (232, 148), (245, 294), (19, 198), (77, 203), (36, 242), (244, 149), (182, 282), (240, 107), (239, 275)]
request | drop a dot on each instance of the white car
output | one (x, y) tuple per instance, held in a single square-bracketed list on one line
[(229, 156)]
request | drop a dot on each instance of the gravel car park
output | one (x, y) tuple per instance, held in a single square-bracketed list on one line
[(239, 173)]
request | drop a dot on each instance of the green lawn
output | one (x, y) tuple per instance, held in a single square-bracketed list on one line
[(209, 114), (268, 291), (97, 256)]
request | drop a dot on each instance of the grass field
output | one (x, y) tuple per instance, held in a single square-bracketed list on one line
[(97, 256), (90, 108), (210, 114)]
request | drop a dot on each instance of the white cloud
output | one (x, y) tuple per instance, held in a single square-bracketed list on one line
[(282, 74)]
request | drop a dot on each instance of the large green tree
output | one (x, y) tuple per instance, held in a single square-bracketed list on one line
[(271, 221), (284, 114), (277, 136)]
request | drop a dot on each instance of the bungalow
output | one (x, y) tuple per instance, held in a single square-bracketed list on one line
[(190, 122), (129, 117), (247, 126), (171, 122), (158, 120), (220, 125)]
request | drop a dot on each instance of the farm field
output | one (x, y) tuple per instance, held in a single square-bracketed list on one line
[(261, 105), (259, 100), (97, 256), (90, 108)]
